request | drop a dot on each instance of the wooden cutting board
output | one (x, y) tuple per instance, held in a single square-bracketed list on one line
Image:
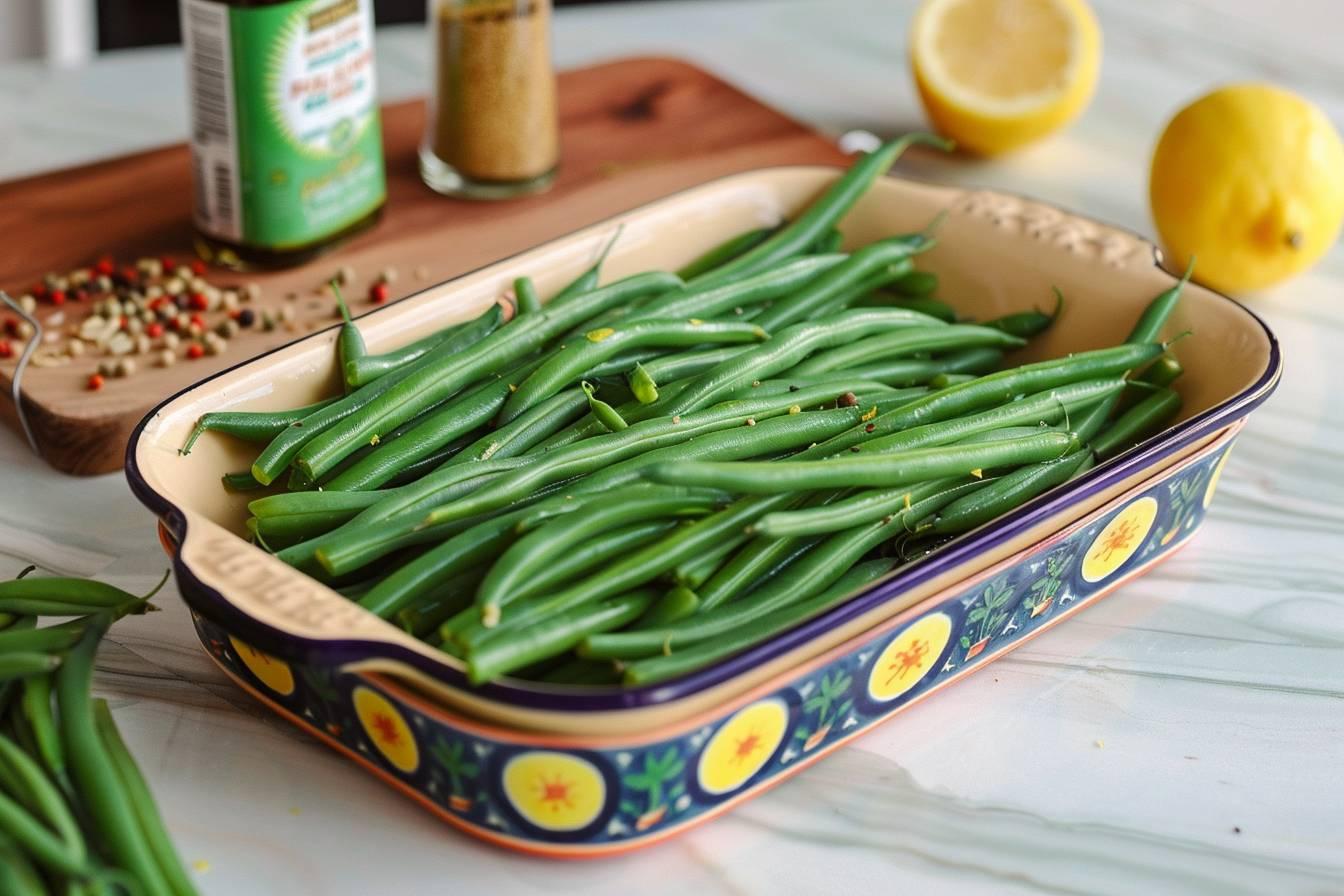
[(631, 131)]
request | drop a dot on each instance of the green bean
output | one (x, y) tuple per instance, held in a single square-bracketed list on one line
[(452, 420), (530, 555), (823, 214), (918, 371), (455, 595), (17, 876), (715, 301), (454, 556), (525, 291), (998, 388), (676, 603), (38, 843), (813, 573), (917, 284), (913, 503), (643, 385), (587, 281), (696, 571), (906, 342), (43, 798), (711, 650), (1008, 492), (689, 364), (923, 304), (285, 447), (240, 481), (93, 772), (526, 430), (830, 241), (250, 426), (35, 709), (1159, 374), (52, 639), (596, 346), (440, 376), (724, 252), (943, 380), (88, 594), (1149, 325), (364, 370), (873, 470), (645, 564), (1029, 324), (301, 503), (837, 384), (1145, 418), (150, 823), (21, 664), (874, 264), (349, 342), (784, 352), (592, 553), (758, 560), (610, 419), (556, 635)]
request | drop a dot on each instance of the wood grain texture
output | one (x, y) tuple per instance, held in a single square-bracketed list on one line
[(631, 131)]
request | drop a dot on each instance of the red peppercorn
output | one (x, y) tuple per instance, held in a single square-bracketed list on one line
[(198, 320), (6, 350), (195, 351), (198, 268), (199, 301), (124, 322), (105, 266), (80, 294), (12, 326), (39, 290), (130, 274), (95, 382), (57, 297), (378, 293), (168, 264), (154, 330)]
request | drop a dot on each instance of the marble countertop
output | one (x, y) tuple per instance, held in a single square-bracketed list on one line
[(1181, 736)]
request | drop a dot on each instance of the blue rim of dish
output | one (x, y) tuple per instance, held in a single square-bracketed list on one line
[(339, 652)]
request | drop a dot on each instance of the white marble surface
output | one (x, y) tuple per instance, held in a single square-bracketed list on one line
[(1215, 683)]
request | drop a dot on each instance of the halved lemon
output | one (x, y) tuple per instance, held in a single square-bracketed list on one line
[(997, 74)]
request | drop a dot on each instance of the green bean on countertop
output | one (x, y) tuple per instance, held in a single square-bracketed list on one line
[(650, 670)]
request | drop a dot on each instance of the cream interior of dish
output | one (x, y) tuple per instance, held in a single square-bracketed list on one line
[(995, 254)]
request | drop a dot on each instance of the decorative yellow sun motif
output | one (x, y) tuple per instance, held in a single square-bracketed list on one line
[(1118, 541), (387, 728), (742, 746), (554, 791), (272, 672), (1213, 480), (904, 662)]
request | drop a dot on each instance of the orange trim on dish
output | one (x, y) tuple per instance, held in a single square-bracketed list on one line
[(575, 851), (510, 735)]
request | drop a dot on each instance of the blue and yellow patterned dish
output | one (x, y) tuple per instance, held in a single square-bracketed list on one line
[(588, 771)]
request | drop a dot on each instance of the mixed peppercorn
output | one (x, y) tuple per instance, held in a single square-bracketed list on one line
[(150, 313)]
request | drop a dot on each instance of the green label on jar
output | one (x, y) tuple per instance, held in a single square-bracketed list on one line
[(286, 141)]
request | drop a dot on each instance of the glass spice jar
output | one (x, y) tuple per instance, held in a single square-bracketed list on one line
[(493, 129)]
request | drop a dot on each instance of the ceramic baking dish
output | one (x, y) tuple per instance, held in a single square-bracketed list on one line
[(586, 771)]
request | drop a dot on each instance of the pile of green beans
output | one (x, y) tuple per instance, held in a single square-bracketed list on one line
[(75, 813), (628, 481)]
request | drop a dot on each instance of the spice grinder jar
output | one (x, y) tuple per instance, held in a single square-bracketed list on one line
[(493, 131)]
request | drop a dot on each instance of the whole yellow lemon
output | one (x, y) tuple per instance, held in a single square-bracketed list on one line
[(1249, 180)]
